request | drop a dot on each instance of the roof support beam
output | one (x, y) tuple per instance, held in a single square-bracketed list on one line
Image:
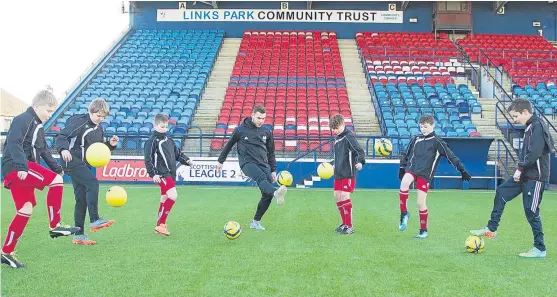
[(498, 4), (210, 3)]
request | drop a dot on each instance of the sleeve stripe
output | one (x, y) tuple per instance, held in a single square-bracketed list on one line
[(445, 149)]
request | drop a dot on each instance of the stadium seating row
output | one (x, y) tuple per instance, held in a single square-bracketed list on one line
[(154, 71), (297, 76), (405, 88), (543, 96), (517, 54)]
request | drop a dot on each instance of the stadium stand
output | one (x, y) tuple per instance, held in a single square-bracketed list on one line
[(527, 59), (411, 74), (544, 96), (154, 71), (297, 76)]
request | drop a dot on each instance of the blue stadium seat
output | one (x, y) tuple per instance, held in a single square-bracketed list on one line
[(150, 67)]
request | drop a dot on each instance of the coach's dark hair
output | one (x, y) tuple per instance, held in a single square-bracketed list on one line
[(520, 105), (160, 118), (259, 109), (427, 119)]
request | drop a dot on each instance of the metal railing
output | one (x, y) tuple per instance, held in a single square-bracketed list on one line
[(506, 125), (506, 98), (322, 151), (473, 76), (504, 158), (411, 51), (506, 52), (199, 145), (533, 78), (514, 62)]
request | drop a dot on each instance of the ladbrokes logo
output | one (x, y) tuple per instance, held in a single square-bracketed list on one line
[(124, 170)]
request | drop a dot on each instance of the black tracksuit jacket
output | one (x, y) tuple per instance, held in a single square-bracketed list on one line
[(26, 142), (255, 145), (161, 154), (536, 149), (424, 153), (80, 132), (347, 154)]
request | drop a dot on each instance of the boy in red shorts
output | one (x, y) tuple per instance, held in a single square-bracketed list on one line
[(25, 146), (161, 154), (419, 163), (349, 157)]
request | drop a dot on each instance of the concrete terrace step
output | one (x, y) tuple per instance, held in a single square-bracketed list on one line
[(363, 113), (213, 96)]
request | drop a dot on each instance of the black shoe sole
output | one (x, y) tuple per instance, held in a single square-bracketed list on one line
[(54, 235), (7, 263)]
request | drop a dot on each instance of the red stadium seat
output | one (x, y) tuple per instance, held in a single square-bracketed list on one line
[(302, 74)]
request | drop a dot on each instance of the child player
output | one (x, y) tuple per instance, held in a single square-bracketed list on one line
[(161, 154), (419, 163), (81, 131), (529, 179), (25, 146), (349, 157)]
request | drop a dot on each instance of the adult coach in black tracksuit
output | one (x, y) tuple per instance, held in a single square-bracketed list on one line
[(529, 179), (256, 154)]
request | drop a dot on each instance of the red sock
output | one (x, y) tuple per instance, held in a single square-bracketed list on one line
[(14, 232), (54, 203), (423, 219), (161, 205), (163, 213), (403, 197), (340, 206), (348, 212)]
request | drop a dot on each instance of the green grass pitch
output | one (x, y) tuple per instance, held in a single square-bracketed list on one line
[(298, 255)]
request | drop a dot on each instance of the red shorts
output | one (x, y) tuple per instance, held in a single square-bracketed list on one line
[(421, 184), (23, 191), (166, 184), (345, 185)]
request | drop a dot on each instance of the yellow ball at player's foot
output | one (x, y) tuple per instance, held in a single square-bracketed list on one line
[(232, 230), (474, 244), (98, 154), (116, 196), (285, 178)]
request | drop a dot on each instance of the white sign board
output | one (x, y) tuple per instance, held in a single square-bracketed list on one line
[(206, 171), (277, 15)]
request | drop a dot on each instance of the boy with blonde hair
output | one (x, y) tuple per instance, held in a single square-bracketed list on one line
[(24, 147), (81, 131), (161, 154)]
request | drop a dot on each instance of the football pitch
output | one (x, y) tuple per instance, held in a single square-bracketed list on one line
[(298, 255)]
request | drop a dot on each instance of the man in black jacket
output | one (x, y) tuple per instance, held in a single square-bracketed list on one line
[(349, 157), (81, 131), (419, 163), (24, 147), (256, 154), (161, 154), (529, 179)]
